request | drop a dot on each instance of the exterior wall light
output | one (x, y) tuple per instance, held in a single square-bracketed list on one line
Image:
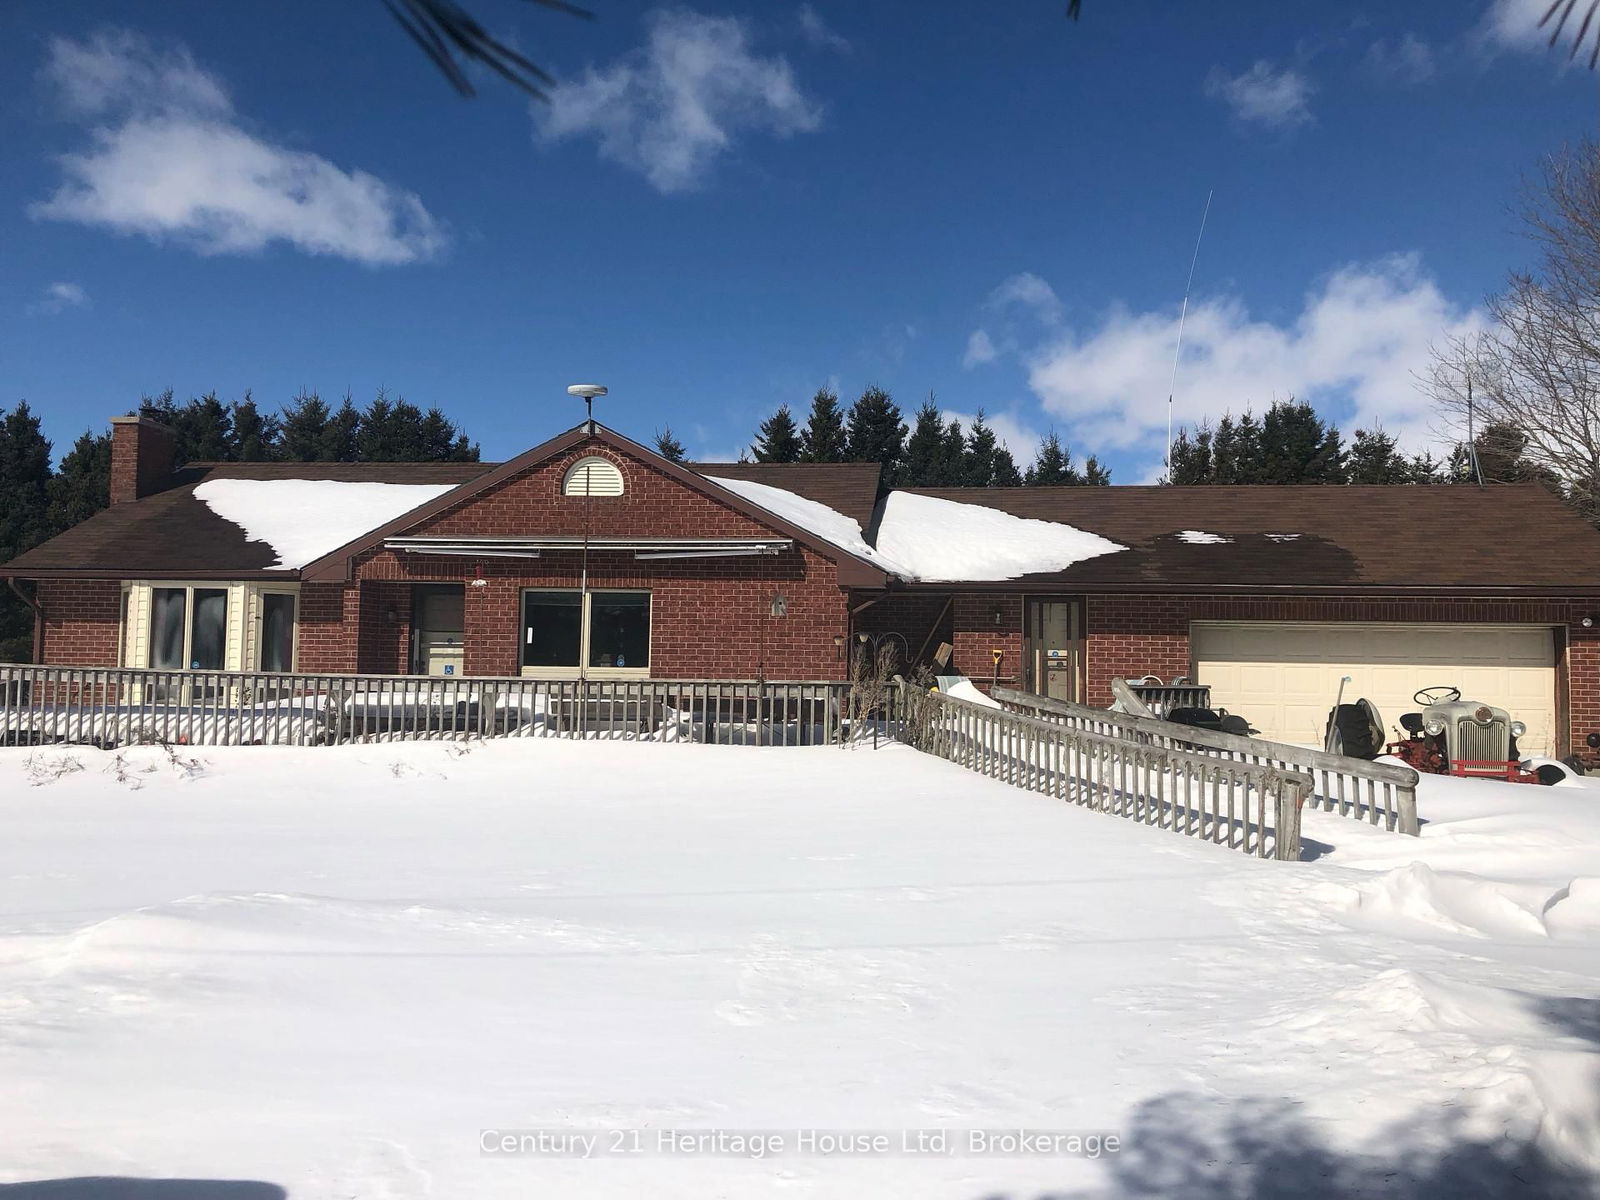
[(780, 605), (1587, 622)]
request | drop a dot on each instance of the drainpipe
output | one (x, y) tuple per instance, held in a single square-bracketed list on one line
[(38, 616)]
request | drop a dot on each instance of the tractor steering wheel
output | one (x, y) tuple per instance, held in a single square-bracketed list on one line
[(1436, 695)]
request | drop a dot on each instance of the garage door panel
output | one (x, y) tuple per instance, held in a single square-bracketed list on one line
[(1283, 678)]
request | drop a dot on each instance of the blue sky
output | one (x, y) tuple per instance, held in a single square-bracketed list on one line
[(728, 205)]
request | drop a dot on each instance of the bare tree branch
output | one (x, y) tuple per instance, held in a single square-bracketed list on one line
[(451, 37), (1536, 369)]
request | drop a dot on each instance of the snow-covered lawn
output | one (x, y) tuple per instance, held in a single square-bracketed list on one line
[(333, 970)]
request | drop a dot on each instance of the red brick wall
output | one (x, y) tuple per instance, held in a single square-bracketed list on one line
[(531, 503), (1139, 635), (709, 617), (327, 633), (977, 636), (82, 622)]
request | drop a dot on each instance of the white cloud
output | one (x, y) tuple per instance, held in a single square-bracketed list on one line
[(819, 33), (980, 349), (168, 158), (1354, 352), (57, 298), (1027, 290), (1263, 95), (1514, 24), (671, 107), (1407, 60)]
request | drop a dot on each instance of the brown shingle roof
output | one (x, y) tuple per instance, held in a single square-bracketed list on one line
[(849, 488), (1516, 538), (172, 534)]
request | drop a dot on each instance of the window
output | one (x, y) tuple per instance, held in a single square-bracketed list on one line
[(619, 629), (592, 476), (188, 628), (612, 635), (277, 631)]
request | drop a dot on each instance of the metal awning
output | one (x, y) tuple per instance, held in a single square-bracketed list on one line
[(642, 548)]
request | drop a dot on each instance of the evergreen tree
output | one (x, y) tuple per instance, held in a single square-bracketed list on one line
[(1052, 466), (875, 431), (303, 435), (1096, 473), (1297, 446), (391, 431), (978, 466), (824, 437), (1190, 457), (255, 434), (82, 486), (669, 447), (924, 464), (953, 455), (1500, 454), (205, 431), (342, 439), (1375, 458), (778, 439), (1005, 469), (1425, 468), (24, 481), (24, 517), (1236, 450), (442, 441)]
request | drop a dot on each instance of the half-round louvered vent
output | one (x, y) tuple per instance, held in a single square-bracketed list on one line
[(592, 476)]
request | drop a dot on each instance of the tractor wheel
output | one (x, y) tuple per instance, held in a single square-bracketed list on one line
[(1350, 732)]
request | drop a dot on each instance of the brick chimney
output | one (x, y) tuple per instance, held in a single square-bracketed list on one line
[(141, 458)]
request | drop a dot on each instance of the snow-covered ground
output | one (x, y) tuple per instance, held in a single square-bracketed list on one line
[(345, 972)]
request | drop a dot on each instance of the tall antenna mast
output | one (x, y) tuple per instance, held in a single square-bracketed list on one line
[(1183, 314), (1472, 440)]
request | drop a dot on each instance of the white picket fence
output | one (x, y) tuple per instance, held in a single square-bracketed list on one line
[(1381, 794), (1253, 807), (115, 707)]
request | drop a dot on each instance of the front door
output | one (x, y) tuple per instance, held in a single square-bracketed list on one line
[(438, 629), (1055, 649)]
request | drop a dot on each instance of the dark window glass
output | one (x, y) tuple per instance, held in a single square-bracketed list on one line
[(277, 632), (619, 629), (552, 628), (167, 607), (208, 641), (439, 608)]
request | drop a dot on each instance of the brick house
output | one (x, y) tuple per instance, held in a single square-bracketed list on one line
[(592, 554)]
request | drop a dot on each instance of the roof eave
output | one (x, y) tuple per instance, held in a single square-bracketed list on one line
[(1058, 587)]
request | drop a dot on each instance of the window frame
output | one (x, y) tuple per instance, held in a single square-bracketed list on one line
[(189, 614), (585, 631), (258, 629)]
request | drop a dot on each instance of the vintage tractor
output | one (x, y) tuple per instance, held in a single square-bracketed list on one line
[(1452, 736)]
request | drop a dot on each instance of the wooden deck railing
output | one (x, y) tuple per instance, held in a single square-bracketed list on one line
[(113, 707), (1253, 807), (1379, 793)]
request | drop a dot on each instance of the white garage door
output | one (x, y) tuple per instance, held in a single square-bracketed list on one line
[(1283, 678)]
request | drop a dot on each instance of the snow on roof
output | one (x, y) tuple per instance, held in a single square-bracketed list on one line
[(940, 541), (945, 541), (829, 524), (303, 519), (1198, 537)]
